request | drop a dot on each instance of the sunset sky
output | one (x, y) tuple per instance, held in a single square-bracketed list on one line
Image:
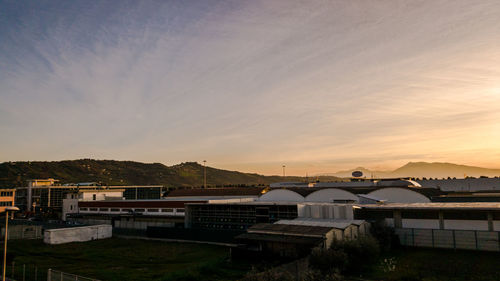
[(319, 86)]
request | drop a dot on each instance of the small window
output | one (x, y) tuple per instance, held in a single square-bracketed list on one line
[(126, 210), (103, 209), (115, 210), (139, 210), (94, 197), (83, 209), (180, 210), (152, 210), (93, 209), (168, 210), (71, 207)]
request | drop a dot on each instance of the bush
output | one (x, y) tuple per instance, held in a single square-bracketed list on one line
[(386, 237), (328, 261), (348, 256)]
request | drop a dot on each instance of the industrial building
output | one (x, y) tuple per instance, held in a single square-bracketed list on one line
[(440, 225), (6, 198), (44, 195)]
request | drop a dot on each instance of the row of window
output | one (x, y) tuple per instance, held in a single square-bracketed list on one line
[(6, 193), (427, 214), (167, 210), (5, 203)]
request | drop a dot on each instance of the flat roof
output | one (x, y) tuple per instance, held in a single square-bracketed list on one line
[(339, 224), (289, 230), (239, 191), (434, 206)]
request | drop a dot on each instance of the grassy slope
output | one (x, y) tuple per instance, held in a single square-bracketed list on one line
[(121, 259), (128, 173)]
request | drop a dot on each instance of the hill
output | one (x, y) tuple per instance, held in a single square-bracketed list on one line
[(111, 172), (425, 169)]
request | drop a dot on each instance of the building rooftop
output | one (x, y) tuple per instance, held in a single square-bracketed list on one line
[(240, 191), (339, 224), (435, 206), (289, 229)]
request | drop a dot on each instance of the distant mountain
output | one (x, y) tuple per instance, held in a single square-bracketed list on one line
[(425, 169), (111, 172)]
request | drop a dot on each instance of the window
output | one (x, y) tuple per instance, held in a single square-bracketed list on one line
[(83, 209), (180, 210), (152, 210), (93, 209), (139, 210), (94, 197), (71, 207), (168, 210), (115, 210), (103, 209)]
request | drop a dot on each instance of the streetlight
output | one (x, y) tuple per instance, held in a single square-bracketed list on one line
[(284, 170), (205, 173), (7, 210)]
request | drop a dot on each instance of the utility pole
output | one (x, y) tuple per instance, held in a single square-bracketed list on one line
[(205, 173)]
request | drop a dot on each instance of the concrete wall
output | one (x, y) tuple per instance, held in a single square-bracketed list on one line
[(77, 234)]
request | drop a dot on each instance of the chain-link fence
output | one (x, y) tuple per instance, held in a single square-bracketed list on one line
[(25, 272), (451, 239), (55, 275)]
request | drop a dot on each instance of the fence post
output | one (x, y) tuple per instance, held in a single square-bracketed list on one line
[(475, 238), (49, 277), (432, 234), (454, 240)]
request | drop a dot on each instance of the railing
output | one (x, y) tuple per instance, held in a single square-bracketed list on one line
[(55, 275), (451, 239)]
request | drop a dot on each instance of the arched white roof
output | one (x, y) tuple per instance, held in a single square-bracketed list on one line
[(330, 195), (399, 195), (277, 195)]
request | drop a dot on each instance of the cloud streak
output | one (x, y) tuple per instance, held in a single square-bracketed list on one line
[(250, 86)]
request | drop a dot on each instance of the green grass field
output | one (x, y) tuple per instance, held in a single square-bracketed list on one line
[(437, 264), (124, 259)]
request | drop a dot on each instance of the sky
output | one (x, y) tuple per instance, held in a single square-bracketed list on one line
[(318, 86)]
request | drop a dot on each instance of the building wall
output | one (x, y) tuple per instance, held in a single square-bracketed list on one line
[(70, 206), (7, 197), (420, 223), (467, 224), (99, 195)]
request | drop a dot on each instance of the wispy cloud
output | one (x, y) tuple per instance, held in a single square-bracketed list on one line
[(251, 85)]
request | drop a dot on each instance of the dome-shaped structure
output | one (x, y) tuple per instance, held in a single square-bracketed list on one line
[(278, 195), (399, 195), (331, 195)]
